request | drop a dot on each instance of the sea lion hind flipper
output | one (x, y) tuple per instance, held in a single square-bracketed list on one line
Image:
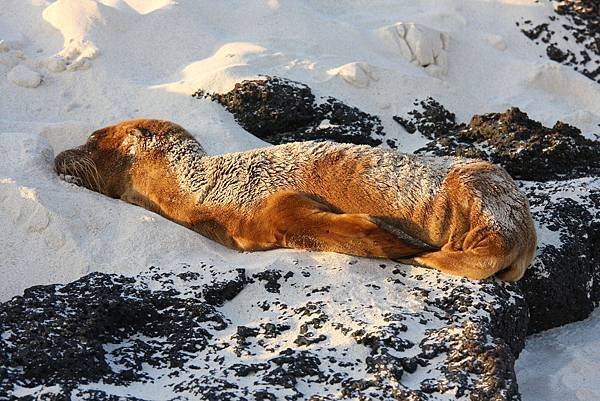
[(484, 260)]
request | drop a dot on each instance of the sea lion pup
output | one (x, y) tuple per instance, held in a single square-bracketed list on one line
[(463, 217)]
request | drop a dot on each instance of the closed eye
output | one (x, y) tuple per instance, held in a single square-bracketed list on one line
[(95, 136)]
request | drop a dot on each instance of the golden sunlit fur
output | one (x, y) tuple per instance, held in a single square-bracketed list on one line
[(463, 217)]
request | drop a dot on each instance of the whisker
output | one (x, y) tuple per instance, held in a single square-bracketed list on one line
[(86, 174), (93, 176), (80, 170), (93, 173), (98, 178), (84, 171)]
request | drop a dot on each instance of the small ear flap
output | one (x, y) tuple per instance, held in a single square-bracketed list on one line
[(96, 134)]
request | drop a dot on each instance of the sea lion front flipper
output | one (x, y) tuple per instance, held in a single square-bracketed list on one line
[(358, 234), (402, 235), (300, 221)]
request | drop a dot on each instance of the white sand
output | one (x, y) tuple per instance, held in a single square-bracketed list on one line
[(103, 61), (562, 363), (23, 76)]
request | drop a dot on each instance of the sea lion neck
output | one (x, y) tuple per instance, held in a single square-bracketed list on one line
[(166, 176), (185, 159)]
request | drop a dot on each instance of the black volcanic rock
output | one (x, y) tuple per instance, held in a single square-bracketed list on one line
[(530, 151), (431, 119), (221, 291), (524, 147), (421, 334), (562, 285), (571, 35), (57, 335), (279, 110)]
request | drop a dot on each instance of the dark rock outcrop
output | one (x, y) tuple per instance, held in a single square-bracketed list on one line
[(58, 335), (278, 110), (156, 336), (524, 147), (563, 172), (562, 284), (571, 35)]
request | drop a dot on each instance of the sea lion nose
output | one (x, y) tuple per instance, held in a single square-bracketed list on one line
[(61, 161)]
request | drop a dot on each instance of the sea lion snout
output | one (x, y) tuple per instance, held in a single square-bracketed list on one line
[(63, 162), (75, 166)]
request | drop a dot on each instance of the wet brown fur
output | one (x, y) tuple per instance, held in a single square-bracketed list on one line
[(334, 213)]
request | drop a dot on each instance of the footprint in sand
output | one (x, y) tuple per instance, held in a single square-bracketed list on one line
[(12, 59), (73, 18)]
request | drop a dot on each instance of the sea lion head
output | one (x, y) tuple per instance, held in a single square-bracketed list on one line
[(104, 162)]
